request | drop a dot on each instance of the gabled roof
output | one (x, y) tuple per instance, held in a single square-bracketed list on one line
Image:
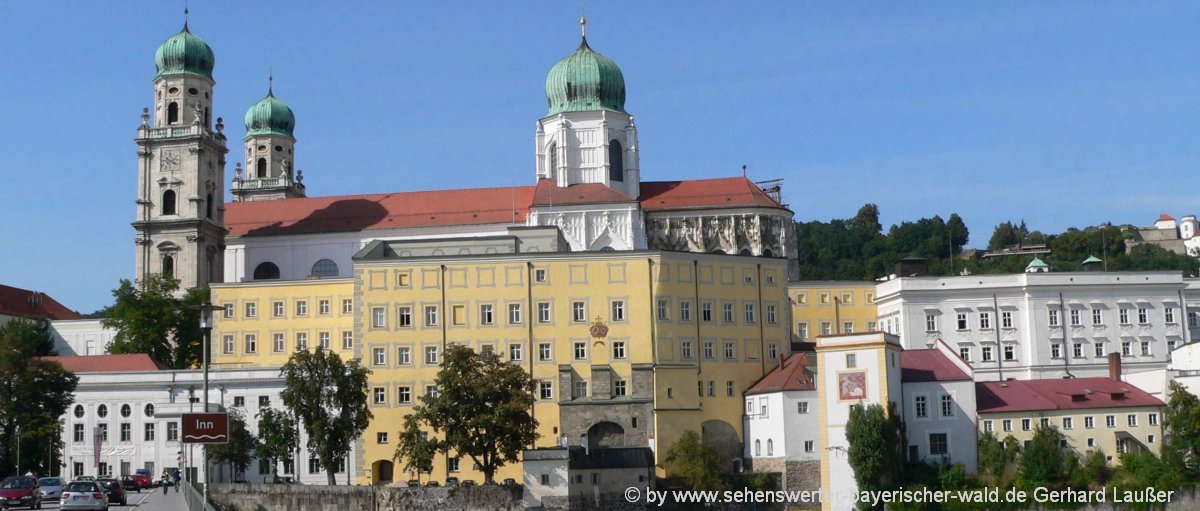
[(350, 213), (929, 365), (548, 193), (107, 363), (1059, 394), (24, 303), (704, 193), (1165, 218), (791, 375)]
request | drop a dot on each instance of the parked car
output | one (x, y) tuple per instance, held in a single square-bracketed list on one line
[(131, 484), (20, 491), (51, 487), (144, 478), (114, 490), (451, 482), (84, 495), (89, 479)]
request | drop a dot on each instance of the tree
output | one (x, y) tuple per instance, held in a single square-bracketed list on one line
[(875, 452), (1095, 467), (699, 465), (1181, 429), (481, 410), (1043, 462), (153, 319), (329, 397), (278, 436), (236, 452), (1006, 234), (36, 393), (414, 447), (995, 455), (33, 335)]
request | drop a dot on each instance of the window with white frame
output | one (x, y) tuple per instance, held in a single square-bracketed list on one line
[(546, 390), (347, 340), (947, 405), (544, 353), (987, 353), (228, 344), (685, 348), (920, 407), (1110, 421), (380, 395), (301, 307), (1169, 315), (826, 328), (301, 341), (685, 310), (1089, 422), (618, 310), (802, 407), (580, 351), (618, 350), (1123, 316), (1006, 319), (431, 315), (1077, 350), (709, 351), (750, 318), (1006, 425), (1152, 419), (515, 352), (514, 313), (1056, 350), (985, 321), (930, 323), (404, 317), (277, 309), (543, 309), (1053, 317), (1076, 318), (1098, 348), (578, 312), (378, 317), (251, 343), (431, 355), (1068, 423), (277, 343), (1126, 348), (1097, 316), (962, 321), (802, 330), (1143, 316), (347, 306), (938, 444), (810, 446), (729, 354), (378, 356), (771, 316), (404, 355), (487, 314), (1146, 348), (405, 394), (964, 352), (662, 310), (323, 339), (847, 327), (323, 307), (1131, 420), (706, 312), (727, 312), (1010, 352)]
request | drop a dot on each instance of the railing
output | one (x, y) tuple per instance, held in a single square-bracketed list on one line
[(178, 131), (254, 184), (193, 493)]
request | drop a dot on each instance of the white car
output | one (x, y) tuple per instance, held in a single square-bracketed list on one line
[(51, 487), (84, 495)]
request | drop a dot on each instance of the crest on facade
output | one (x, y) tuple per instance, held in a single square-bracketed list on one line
[(599, 329)]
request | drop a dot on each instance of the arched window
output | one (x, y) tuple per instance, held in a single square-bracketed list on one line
[(168, 267), (168, 202), (173, 113), (758, 447), (745, 252), (616, 162), (770, 447), (607, 248), (208, 206), (325, 268), (768, 253), (266, 271), (553, 160), (262, 167)]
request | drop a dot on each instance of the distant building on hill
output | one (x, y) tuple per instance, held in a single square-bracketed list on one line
[(1180, 237)]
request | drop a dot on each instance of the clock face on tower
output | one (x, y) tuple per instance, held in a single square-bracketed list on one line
[(170, 160)]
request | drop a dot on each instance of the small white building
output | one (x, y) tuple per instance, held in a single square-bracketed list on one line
[(939, 407), (576, 477), (781, 424), (81, 337)]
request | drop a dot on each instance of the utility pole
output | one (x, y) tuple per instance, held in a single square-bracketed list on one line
[(206, 325)]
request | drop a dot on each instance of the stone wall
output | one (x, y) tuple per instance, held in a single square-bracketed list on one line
[(280, 497)]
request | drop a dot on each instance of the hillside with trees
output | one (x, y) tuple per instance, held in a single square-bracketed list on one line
[(857, 248)]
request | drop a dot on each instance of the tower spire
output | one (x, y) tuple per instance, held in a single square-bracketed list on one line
[(185, 16), (271, 83), (583, 26)]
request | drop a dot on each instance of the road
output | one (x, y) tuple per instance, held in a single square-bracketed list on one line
[(145, 501)]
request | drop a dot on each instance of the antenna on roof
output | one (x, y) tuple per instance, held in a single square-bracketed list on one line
[(743, 170)]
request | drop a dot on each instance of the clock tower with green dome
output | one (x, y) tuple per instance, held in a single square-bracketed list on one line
[(269, 153), (181, 169)]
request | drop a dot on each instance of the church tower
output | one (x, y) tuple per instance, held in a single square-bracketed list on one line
[(181, 169), (269, 153)]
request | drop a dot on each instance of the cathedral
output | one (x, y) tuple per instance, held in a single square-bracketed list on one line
[(587, 182)]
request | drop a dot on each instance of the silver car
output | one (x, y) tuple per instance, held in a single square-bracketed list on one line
[(84, 495), (51, 487)]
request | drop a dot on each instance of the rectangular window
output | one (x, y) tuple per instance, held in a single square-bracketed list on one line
[(277, 309), (847, 327), (486, 314), (729, 355), (147, 434), (920, 407), (662, 310), (810, 446), (826, 328), (1193, 319), (323, 340), (514, 314), (514, 352), (987, 427), (1169, 315), (947, 406), (79, 433), (452, 464), (1098, 348), (685, 348), (619, 388), (546, 390), (1145, 348), (580, 351), (986, 351), (1097, 317), (403, 355), (1124, 316), (228, 344), (938, 445), (802, 331), (712, 391), (930, 323), (1075, 319), (301, 308), (1089, 422), (1131, 419), (709, 351), (172, 431), (581, 390), (1006, 319), (772, 317), (985, 321), (1010, 353), (381, 437), (431, 391), (379, 356), (228, 312), (871, 327), (802, 407), (431, 355), (239, 401), (1077, 350), (404, 317), (1143, 316), (727, 312), (251, 310), (378, 317), (772, 351), (539, 275), (618, 349), (544, 351), (404, 394), (962, 321), (251, 343), (1006, 425), (1056, 350), (685, 310), (314, 465), (1068, 423), (543, 312), (277, 343), (347, 306), (431, 315), (1053, 317), (578, 312), (347, 340), (323, 307), (750, 318), (301, 340), (1110, 421), (964, 353), (1127, 348), (1153, 419), (706, 312), (380, 395), (618, 310), (1026, 424)]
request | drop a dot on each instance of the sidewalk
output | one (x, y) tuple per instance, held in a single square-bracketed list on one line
[(156, 501)]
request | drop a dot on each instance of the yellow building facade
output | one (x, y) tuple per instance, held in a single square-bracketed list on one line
[(262, 323), (628, 348), (1113, 430), (831, 307)]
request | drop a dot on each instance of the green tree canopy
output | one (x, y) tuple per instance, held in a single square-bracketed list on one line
[(36, 394), (237, 452), (1043, 462), (699, 465), (329, 397), (155, 319), (414, 449), (278, 435), (482, 410), (876, 447)]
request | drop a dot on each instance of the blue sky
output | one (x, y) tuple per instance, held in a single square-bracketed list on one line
[(1059, 113)]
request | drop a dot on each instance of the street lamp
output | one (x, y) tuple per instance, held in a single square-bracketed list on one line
[(206, 325)]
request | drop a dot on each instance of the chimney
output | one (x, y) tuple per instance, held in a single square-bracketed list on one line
[(1114, 366), (780, 361)]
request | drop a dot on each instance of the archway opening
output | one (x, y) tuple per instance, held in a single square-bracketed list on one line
[(606, 434)]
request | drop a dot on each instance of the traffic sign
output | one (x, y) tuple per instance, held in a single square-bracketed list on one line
[(205, 428)]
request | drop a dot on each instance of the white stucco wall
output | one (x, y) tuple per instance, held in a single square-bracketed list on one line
[(81, 337), (960, 429)]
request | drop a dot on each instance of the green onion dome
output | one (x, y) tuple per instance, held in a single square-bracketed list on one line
[(585, 81), (184, 53), (270, 116)]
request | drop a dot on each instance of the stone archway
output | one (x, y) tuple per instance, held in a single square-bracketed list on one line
[(381, 472), (606, 434), (723, 438)]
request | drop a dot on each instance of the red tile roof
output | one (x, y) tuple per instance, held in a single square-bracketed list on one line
[(929, 365), (1165, 217), (791, 376), (703, 193), (107, 363), (350, 213), (24, 303), (549, 193), (1059, 394)]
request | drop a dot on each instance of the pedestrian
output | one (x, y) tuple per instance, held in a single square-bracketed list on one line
[(166, 481), (176, 480)]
